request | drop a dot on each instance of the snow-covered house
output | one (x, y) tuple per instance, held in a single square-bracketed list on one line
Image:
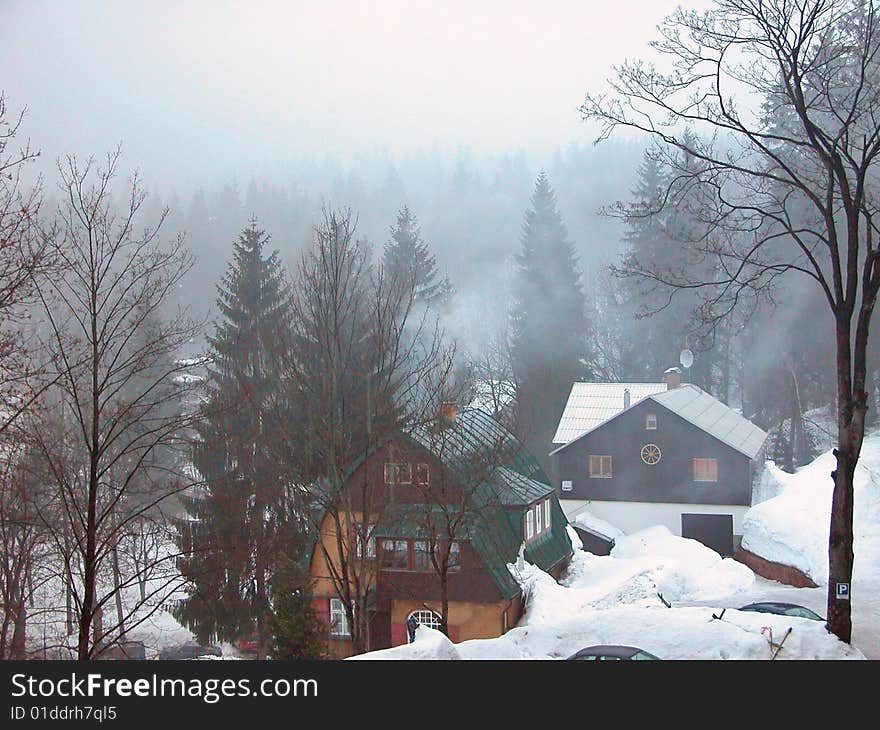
[(463, 486), (641, 454)]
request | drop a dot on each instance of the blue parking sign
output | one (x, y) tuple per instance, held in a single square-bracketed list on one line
[(843, 591)]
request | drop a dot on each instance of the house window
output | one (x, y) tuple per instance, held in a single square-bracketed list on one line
[(538, 528), (395, 554), (651, 454), (362, 531), (422, 555), (530, 525), (422, 474), (651, 422), (600, 467), (398, 473), (454, 556), (705, 470), (338, 619), (425, 618), (546, 514)]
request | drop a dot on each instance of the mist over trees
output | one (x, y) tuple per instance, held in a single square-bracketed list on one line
[(348, 301), (790, 190)]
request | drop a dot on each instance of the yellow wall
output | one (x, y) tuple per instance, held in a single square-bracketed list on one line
[(321, 575), (473, 620)]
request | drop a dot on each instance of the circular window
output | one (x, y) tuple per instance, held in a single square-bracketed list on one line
[(651, 454)]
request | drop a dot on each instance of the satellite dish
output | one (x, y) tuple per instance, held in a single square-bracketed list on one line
[(686, 358)]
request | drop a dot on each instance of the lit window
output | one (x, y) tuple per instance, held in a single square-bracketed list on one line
[(338, 618), (600, 467), (651, 422), (705, 470), (398, 473)]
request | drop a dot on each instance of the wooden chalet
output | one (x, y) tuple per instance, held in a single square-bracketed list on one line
[(463, 486)]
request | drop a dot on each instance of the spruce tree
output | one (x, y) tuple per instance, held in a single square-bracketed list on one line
[(295, 629), (407, 257), (241, 522), (549, 322)]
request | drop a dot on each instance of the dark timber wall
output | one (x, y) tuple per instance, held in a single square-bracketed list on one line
[(672, 479)]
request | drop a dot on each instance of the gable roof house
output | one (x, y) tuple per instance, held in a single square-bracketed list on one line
[(463, 486), (641, 454)]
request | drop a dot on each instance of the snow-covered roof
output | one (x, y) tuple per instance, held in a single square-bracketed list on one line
[(712, 416), (687, 401), (591, 404)]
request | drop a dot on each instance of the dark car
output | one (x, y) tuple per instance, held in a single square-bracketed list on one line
[(190, 650), (612, 652), (783, 609)]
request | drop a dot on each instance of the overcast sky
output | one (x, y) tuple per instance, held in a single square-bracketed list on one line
[(197, 88)]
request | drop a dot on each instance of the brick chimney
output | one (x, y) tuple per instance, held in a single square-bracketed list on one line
[(627, 399), (448, 410), (673, 378)]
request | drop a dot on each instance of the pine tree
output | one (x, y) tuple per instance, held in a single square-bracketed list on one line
[(295, 628), (548, 320), (665, 321), (407, 257), (242, 521)]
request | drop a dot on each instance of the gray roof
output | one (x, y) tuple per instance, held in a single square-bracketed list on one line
[(713, 417), (695, 406), (591, 404)]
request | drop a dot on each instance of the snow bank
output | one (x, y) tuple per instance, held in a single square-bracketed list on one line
[(429, 644), (792, 527), (588, 521)]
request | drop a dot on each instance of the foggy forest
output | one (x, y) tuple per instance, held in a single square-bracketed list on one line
[(225, 281)]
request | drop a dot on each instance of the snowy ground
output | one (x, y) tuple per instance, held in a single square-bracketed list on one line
[(616, 599)]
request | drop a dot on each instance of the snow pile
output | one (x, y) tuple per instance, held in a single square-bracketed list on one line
[(573, 538), (429, 644), (685, 569), (792, 528), (588, 521)]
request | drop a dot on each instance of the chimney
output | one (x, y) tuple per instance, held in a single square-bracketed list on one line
[(673, 378), (448, 410), (626, 398)]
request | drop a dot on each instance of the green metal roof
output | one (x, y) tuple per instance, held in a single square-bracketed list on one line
[(503, 478)]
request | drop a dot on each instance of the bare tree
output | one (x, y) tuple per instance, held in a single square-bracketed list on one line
[(791, 187), (22, 259), (460, 501), (112, 348), (361, 366)]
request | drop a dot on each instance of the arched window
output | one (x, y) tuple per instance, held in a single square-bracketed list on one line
[(424, 617)]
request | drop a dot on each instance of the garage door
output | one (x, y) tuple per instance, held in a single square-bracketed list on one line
[(714, 531)]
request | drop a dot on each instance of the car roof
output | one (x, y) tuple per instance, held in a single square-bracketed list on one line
[(610, 650), (779, 604)]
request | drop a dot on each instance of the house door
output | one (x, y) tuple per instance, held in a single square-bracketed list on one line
[(714, 531)]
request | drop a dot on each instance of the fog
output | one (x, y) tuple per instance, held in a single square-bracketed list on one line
[(271, 109), (195, 90)]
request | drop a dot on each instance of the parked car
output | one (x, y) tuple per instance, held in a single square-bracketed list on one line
[(782, 609), (611, 652), (189, 650)]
